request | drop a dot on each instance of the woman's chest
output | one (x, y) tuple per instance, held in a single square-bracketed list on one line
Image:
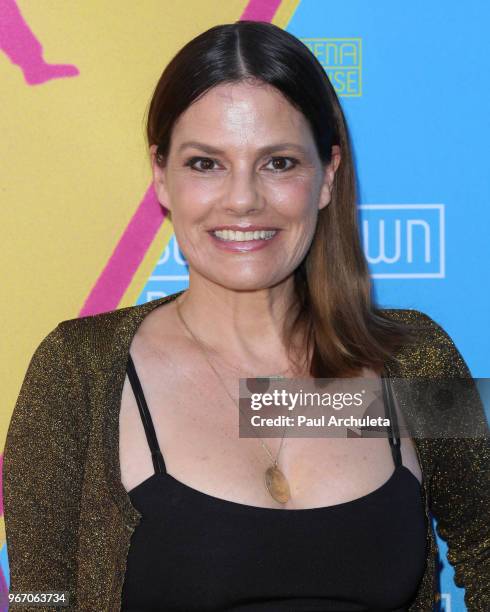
[(197, 429)]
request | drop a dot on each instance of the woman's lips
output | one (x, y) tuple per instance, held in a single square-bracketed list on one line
[(242, 245)]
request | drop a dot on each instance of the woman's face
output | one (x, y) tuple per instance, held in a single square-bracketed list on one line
[(242, 157)]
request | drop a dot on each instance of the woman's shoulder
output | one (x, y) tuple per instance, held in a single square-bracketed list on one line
[(109, 321), (96, 340), (411, 316), (434, 351)]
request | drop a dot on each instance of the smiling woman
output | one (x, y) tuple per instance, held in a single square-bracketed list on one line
[(250, 153), (262, 186), (277, 158)]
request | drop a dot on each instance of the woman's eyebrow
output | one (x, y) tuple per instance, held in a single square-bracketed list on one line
[(266, 149)]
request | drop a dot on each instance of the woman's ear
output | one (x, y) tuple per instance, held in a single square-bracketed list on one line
[(159, 170), (328, 178)]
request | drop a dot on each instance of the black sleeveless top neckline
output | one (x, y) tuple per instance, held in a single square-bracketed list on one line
[(196, 552)]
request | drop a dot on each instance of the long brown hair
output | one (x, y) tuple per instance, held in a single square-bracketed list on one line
[(335, 312)]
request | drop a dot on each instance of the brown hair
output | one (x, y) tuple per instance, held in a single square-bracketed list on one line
[(335, 312)]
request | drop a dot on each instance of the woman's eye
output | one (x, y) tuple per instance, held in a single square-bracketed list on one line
[(206, 163), (279, 163)]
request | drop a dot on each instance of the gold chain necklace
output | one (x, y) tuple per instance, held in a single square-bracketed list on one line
[(275, 480)]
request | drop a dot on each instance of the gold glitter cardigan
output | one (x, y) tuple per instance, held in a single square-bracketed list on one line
[(69, 519)]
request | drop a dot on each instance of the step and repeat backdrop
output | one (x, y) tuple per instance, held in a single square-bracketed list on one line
[(83, 233)]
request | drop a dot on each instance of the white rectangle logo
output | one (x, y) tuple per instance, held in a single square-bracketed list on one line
[(404, 240)]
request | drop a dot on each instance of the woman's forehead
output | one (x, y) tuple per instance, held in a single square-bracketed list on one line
[(242, 115)]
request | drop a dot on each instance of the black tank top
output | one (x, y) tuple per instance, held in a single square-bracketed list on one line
[(195, 552)]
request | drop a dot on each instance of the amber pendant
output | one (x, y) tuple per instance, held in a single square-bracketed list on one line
[(277, 484)]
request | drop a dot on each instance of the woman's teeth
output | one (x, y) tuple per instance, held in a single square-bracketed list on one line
[(238, 236)]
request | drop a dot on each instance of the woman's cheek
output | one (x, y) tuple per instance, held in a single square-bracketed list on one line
[(293, 199), (202, 192)]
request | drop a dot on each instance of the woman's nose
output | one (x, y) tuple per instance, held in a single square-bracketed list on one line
[(242, 195)]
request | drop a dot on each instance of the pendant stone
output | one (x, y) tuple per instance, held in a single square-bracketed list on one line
[(277, 484)]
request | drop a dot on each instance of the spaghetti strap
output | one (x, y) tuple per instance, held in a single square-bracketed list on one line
[(390, 410), (156, 455)]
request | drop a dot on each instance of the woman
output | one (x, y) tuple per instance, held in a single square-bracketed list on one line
[(126, 483)]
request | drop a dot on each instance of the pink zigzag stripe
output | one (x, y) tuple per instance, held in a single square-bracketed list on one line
[(260, 10), (127, 256), (20, 45), (138, 236)]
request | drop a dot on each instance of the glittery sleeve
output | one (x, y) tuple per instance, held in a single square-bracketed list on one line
[(460, 485), (43, 471)]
